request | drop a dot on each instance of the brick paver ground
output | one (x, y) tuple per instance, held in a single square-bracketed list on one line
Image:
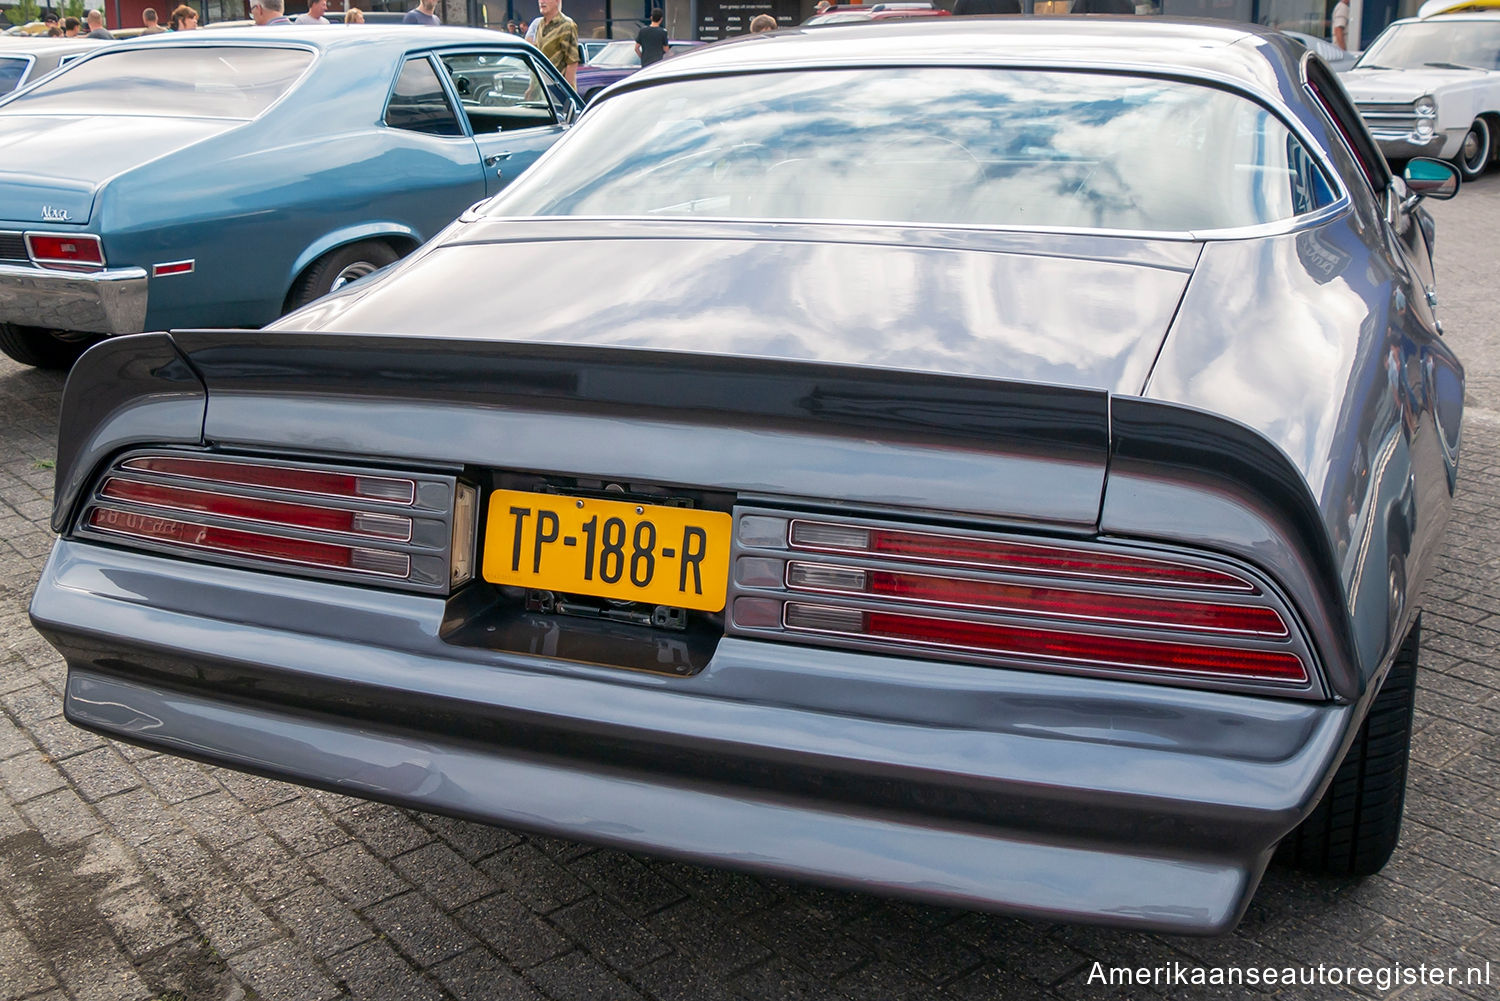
[(130, 875)]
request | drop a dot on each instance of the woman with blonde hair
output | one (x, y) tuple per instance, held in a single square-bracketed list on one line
[(354, 16)]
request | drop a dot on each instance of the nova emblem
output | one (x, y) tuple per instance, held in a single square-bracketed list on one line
[(50, 214)]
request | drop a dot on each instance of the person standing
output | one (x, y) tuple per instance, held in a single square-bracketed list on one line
[(97, 28), (762, 23), (153, 26), (70, 27), (184, 18), (1341, 24), (557, 37), (423, 13), (264, 12), (354, 16), (651, 41), (314, 15)]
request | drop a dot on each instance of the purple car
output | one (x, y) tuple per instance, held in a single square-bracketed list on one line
[(616, 61)]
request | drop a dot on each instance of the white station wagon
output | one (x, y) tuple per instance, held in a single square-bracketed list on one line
[(1431, 87)]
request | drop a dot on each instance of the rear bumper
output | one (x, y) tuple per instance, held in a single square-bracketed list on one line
[(112, 301), (1057, 797)]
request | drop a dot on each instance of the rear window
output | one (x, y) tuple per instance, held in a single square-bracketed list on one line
[(219, 82), (11, 71), (932, 146)]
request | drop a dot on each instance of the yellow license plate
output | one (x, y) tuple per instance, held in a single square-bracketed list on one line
[(675, 556)]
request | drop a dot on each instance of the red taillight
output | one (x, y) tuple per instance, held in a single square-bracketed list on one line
[(258, 545), (1098, 606), (1088, 648), (81, 252), (382, 526), (412, 531), (1107, 607), (992, 554), (307, 481)]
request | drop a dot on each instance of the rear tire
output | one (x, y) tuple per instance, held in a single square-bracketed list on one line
[(1355, 826), (338, 267), (1474, 155), (41, 348)]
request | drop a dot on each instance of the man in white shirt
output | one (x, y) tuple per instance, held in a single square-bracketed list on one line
[(314, 14), (1341, 24), (265, 12)]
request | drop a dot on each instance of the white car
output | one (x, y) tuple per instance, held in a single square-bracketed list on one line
[(1431, 87)]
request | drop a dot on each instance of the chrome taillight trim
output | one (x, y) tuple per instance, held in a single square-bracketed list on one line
[(991, 652), (406, 485), (191, 514), (1241, 586), (268, 557), (762, 588), (423, 549), (1051, 584)]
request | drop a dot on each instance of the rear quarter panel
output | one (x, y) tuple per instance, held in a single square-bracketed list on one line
[(254, 205)]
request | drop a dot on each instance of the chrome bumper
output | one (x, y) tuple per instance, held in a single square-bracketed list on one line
[(112, 301), (1401, 144)]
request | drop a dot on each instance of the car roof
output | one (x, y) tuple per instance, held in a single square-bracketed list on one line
[(332, 37), (35, 44), (1255, 58)]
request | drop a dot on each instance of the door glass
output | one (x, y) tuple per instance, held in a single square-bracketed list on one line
[(500, 91), (419, 103)]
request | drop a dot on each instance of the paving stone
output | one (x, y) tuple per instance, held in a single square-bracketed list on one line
[(357, 876), (62, 817), (219, 819), (388, 831), (28, 776), (61, 739), (676, 978), (323, 924), (143, 923), (611, 934), (175, 779), (579, 975), (513, 930), (99, 773), (231, 920), (418, 929), (279, 972), (304, 826), (97, 970), (267, 867), (717, 946), (535, 878), (632, 886), (477, 975), (444, 876), (22, 971), (374, 971), (138, 816)]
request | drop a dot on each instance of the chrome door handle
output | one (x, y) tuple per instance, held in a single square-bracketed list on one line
[(495, 158)]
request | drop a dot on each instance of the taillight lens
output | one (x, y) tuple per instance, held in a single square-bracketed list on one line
[(986, 598), (400, 530), (67, 252)]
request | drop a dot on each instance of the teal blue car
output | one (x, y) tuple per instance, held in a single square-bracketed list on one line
[(220, 179)]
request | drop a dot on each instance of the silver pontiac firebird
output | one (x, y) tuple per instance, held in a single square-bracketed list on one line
[(992, 463)]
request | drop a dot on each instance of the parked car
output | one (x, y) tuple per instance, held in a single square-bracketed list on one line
[(855, 455), (1337, 59), (26, 60), (875, 12), (615, 62), (238, 174), (1431, 87)]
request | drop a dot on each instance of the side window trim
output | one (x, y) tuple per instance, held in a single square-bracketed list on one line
[(1331, 99), (439, 73)]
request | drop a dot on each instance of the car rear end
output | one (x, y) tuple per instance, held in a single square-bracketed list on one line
[(827, 649)]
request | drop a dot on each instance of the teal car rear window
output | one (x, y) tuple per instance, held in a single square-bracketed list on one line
[(218, 82)]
